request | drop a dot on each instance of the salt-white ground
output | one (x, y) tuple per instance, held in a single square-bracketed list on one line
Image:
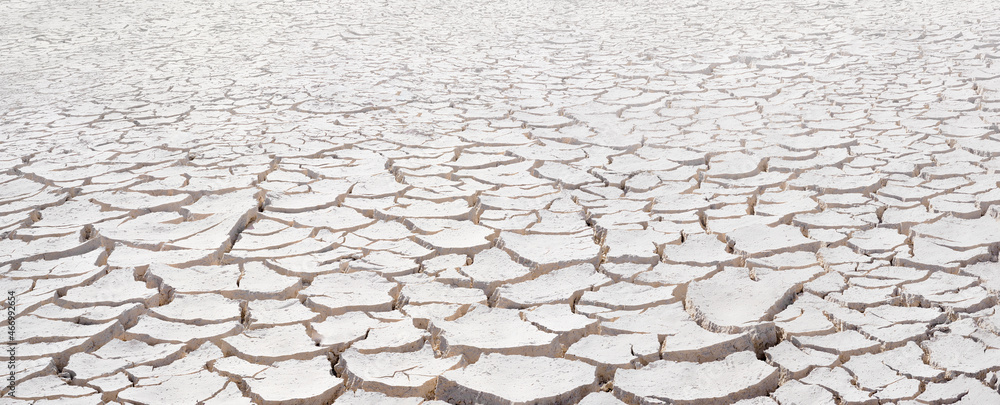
[(428, 202)]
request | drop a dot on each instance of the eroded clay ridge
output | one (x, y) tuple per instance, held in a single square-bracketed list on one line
[(523, 202)]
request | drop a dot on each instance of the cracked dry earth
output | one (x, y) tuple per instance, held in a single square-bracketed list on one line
[(473, 202)]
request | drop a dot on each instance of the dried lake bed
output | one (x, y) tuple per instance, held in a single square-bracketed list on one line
[(472, 202)]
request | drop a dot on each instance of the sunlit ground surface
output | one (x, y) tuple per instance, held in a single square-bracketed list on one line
[(693, 202)]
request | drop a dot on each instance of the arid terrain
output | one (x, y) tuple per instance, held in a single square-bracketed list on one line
[(500, 202)]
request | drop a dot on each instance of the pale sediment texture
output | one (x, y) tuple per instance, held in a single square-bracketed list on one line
[(522, 202)]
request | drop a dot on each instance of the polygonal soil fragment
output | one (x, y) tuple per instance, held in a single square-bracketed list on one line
[(186, 379), (199, 309), (670, 274), (551, 251), (797, 362), (493, 267), (505, 379), (117, 355), (628, 296), (959, 354), (558, 287), (794, 393), (960, 390), (312, 379), (699, 250), (559, 319), (839, 381), (438, 293), (492, 330), (185, 388), (52, 388), (261, 282), (397, 374), (844, 344), (449, 236), (738, 376), (362, 397), (198, 279), (739, 299), (761, 240), (155, 330), (661, 320), (635, 246), (115, 288), (264, 313), (337, 293), (399, 336), (600, 398), (694, 343), (609, 353), (265, 346)]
